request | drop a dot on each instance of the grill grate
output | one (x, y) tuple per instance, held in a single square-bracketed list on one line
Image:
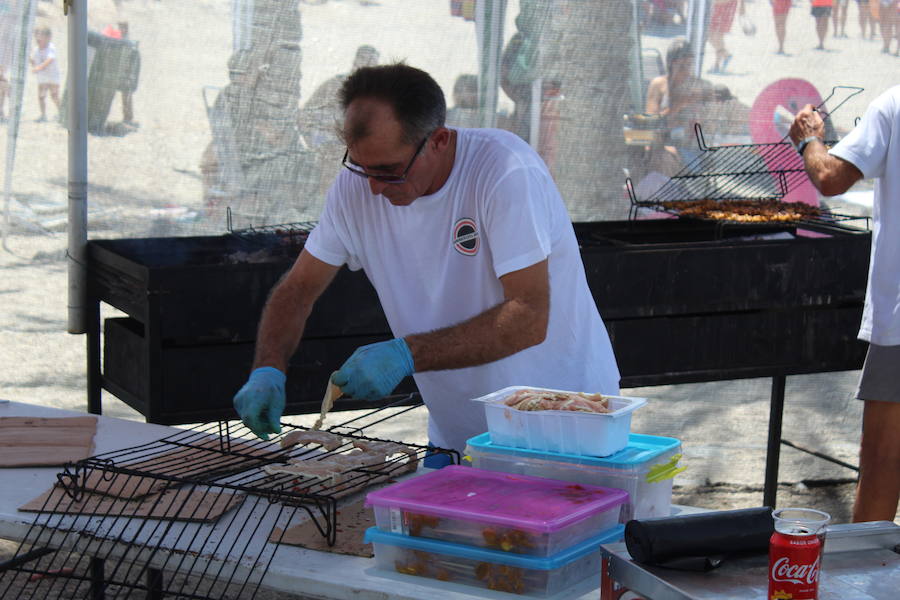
[(197, 505), (761, 174), (291, 235)]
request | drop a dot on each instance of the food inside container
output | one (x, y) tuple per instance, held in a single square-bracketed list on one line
[(565, 431), (515, 514), (490, 569), (645, 469)]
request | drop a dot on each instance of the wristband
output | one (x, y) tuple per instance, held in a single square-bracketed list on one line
[(805, 142)]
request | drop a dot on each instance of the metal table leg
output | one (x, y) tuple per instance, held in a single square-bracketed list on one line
[(93, 357), (773, 449), (154, 584), (98, 579)]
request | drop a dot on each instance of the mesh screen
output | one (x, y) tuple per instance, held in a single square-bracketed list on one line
[(198, 106)]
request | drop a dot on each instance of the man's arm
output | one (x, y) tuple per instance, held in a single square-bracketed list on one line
[(520, 321), (831, 175), (654, 96), (287, 309), (260, 402)]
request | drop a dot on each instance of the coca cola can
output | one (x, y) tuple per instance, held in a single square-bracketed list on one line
[(795, 553)]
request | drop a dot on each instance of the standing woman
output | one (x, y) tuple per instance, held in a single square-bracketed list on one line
[(865, 19), (821, 11), (780, 10), (840, 18)]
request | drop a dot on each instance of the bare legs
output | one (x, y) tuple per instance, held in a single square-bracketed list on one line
[(865, 19), (717, 41), (43, 90), (780, 29), (879, 463), (839, 14), (888, 18), (821, 30)]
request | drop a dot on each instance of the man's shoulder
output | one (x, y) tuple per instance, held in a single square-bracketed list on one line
[(487, 139), (891, 99)]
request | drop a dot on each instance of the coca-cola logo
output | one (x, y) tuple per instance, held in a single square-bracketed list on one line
[(783, 570)]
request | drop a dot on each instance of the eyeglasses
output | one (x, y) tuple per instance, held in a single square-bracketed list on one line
[(401, 178)]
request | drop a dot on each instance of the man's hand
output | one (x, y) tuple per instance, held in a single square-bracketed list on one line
[(807, 123), (260, 403), (373, 371)]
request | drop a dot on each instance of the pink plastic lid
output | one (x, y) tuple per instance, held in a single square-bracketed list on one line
[(521, 501)]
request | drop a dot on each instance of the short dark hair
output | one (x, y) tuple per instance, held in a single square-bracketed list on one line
[(415, 97)]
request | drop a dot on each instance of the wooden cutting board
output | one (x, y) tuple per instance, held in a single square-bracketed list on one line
[(201, 506), (41, 442)]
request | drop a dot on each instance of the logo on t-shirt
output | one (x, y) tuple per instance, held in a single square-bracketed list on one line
[(465, 237)]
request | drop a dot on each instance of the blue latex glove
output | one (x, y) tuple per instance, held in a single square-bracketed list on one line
[(373, 371), (260, 403)]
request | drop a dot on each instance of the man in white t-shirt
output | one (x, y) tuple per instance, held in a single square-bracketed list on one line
[(871, 151), (464, 236)]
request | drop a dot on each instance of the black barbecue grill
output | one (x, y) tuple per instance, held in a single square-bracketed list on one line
[(684, 299), (212, 513)]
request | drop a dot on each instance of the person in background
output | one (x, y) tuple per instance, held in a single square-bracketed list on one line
[(120, 32), (325, 94), (890, 24), (871, 151), (720, 20), (865, 19), (821, 12), (780, 10), (466, 240), (839, 15), (676, 96), (887, 16), (320, 111), (465, 102), (44, 65)]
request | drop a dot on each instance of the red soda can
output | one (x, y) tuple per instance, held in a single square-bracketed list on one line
[(795, 553)]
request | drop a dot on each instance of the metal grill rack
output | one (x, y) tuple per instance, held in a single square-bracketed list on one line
[(196, 506), (741, 172), (290, 235)]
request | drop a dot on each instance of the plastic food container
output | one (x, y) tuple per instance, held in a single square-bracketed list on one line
[(515, 514), (490, 569), (570, 432), (645, 469)]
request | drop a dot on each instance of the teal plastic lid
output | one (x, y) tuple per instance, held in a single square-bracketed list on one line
[(560, 559), (640, 450)]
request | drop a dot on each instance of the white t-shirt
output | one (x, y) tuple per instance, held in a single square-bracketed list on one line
[(874, 148), (438, 261), (50, 73)]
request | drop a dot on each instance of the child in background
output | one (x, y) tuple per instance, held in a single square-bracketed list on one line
[(46, 68)]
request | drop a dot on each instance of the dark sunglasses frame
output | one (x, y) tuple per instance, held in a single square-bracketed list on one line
[(396, 179)]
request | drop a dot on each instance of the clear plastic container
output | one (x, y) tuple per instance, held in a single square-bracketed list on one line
[(489, 569), (645, 469), (565, 431), (516, 514)]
